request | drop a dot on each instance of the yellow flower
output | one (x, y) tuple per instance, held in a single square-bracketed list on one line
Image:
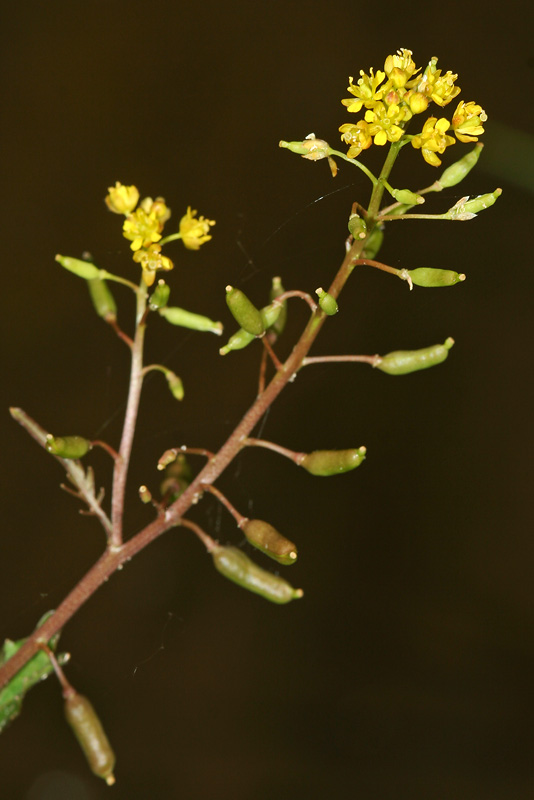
[(382, 123), (357, 136), (440, 88), (194, 232), (433, 139), (400, 68), (142, 229), (467, 121), (122, 199), (151, 262), (157, 207), (366, 91)]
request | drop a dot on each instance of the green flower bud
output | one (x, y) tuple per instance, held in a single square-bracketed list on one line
[(102, 298), (267, 539), (426, 276), (186, 319), (276, 290), (244, 311), (88, 729), (175, 385), (67, 446), (357, 226), (373, 243), (457, 171), (327, 302), (235, 565), (83, 269), (406, 197), (401, 362), (332, 462), (160, 296)]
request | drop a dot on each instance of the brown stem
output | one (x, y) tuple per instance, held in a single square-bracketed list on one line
[(239, 518), (372, 360)]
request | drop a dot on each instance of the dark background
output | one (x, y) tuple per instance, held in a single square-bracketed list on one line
[(406, 670)]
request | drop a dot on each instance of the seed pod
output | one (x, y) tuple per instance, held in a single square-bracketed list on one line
[(276, 290), (332, 462), (426, 276), (457, 171), (83, 269), (87, 728), (267, 539), (357, 226), (465, 209), (244, 311), (327, 302), (238, 567), (270, 314), (401, 362), (373, 243), (67, 446), (406, 197), (102, 298), (160, 296), (175, 384), (186, 319), (238, 341)]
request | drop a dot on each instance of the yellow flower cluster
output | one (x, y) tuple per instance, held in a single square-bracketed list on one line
[(143, 227), (391, 97)]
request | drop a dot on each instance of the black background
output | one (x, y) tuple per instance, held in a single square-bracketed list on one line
[(406, 670)]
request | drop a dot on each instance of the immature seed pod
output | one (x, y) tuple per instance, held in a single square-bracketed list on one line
[(187, 319), (401, 362), (270, 314), (103, 300), (427, 276), (457, 171), (237, 341), (244, 311), (235, 565), (267, 539), (357, 226), (327, 302), (160, 296), (276, 290), (373, 243), (83, 269), (175, 384), (406, 197), (332, 462), (87, 728), (67, 446)]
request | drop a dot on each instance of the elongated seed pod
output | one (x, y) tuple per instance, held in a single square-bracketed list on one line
[(237, 567), (102, 298), (267, 539), (187, 319), (83, 269), (401, 362), (427, 276), (244, 311), (67, 446), (88, 729), (332, 462), (457, 171)]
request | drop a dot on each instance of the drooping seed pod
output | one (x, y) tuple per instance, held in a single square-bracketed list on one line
[(327, 302), (332, 462), (267, 539), (244, 311), (427, 276), (237, 567), (88, 729), (401, 362), (67, 446), (187, 319), (103, 300), (83, 269)]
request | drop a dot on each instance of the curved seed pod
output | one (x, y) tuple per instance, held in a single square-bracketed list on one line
[(267, 539), (244, 311), (332, 462), (426, 276), (83, 269), (327, 302), (187, 319), (67, 446), (87, 728), (401, 362), (102, 298), (238, 567)]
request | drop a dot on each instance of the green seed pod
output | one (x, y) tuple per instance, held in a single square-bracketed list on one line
[(373, 243), (332, 462), (102, 298), (457, 171), (406, 197), (267, 539), (327, 302), (186, 319), (83, 269), (238, 341), (466, 209), (276, 290), (244, 311), (426, 276), (87, 728), (67, 446), (269, 314), (238, 567), (175, 385), (401, 362), (357, 226), (160, 296)]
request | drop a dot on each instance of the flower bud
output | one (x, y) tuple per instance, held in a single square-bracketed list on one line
[(332, 462), (327, 302), (186, 319), (67, 446), (237, 567), (122, 199), (88, 729), (103, 300), (160, 296), (311, 148), (457, 171), (401, 362), (244, 311), (83, 269), (267, 539), (426, 276), (357, 226)]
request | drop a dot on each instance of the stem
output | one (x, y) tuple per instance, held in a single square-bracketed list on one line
[(372, 360), (239, 518), (283, 451), (117, 554)]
